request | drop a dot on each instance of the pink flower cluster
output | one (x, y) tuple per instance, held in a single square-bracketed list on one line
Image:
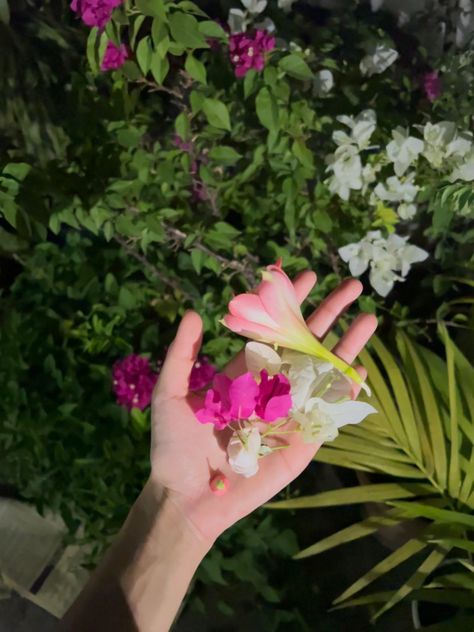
[(238, 399), (247, 52), (133, 382), (202, 374), (431, 85), (95, 12), (114, 56)]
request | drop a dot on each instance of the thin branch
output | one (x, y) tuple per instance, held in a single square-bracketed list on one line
[(242, 268), (164, 278)]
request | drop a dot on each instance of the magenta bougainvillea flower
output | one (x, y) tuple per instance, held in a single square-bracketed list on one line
[(247, 52), (431, 85), (95, 12), (229, 400), (133, 382), (202, 373), (114, 56), (274, 399), (243, 398)]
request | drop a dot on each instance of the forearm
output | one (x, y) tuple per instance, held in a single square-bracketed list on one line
[(144, 576)]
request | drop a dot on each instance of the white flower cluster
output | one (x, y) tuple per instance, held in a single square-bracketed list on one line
[(447, 150), (389, 259), (345, 163)]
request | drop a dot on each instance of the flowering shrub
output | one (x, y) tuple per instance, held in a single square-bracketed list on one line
[(177, 148)]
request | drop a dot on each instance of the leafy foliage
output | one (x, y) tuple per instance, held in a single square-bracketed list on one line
[(422, 441)]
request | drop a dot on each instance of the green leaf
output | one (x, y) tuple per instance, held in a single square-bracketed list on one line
[(432, 415), (454, 480), (91, 50), (349, 534), (210, 28), (159, 67), (459, 543), (143, 53), (4, 12), (397, 557), (197, 258), (216, 113), (196, 69), (377, 492), (304, 155), (17, 170), (153, 8), (267, 109), (448, 516), (185, 30), (433, 560), (182, 126), (296, 67), (225, 155)]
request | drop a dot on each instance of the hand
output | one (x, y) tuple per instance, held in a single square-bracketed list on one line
[(185, 454)]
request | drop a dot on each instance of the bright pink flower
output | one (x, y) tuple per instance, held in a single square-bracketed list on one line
[(229, 400), (114, 56), (133, 382), (274, 399), (431, 85), (271, 314), (202, 374), (248, 52), (95, 12)]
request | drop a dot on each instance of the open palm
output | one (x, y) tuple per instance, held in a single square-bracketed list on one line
[(186, 454)]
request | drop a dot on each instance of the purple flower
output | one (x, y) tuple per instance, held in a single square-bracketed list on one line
[(133, 382), (114, 56), (431, 85), (202, 373), (228, 400), (247, 52), (95, 12), (274, 399), (181, 144)]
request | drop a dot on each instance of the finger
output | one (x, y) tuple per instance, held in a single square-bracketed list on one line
[(356, 337), (303, 284), (356, 387), (324, 316), (182, 354)]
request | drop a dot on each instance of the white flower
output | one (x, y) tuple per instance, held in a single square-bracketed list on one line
[(443, 141), (362, 127), (378, 60), (267, 24), (464, 23), (255, 6), (237, 21), (386, 257), (346, 167), (396, 190), (320, 421), (382, 276), (406, 253), (464, 171), (286, 5), (403, 150), (406, 211), (259, 356), (323, 83), (243, 451), (359, 254)]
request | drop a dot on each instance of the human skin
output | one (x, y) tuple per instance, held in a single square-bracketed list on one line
[(144, 576)]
